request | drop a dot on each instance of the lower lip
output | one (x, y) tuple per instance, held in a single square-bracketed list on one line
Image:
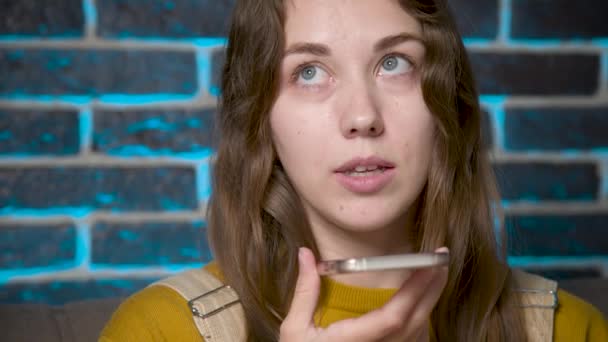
[(367, 184)]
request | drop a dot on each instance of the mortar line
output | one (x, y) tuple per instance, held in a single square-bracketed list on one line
[(550, 157), (556, 101), (540, 46), (103, 161), (603, 176), (504, 21), (192, 160), (89, 9), (210, 102), (131, 273), (203, 71), (90, 42), (148, 101), (83, 244), (95, 216), (603, 74), (555, 208), (561, 261), (85, 121)]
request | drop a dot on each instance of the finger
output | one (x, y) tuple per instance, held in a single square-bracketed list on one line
[(390, 319), (425, 306), (420, 335), (394, 316), (407, 297), (423, 335), (418, 321), (306, 294), (419, 318)]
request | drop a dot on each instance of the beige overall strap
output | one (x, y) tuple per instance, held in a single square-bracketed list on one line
[(539, 300), (217, 313)]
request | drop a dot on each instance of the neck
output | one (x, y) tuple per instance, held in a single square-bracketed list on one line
[(337, 243)]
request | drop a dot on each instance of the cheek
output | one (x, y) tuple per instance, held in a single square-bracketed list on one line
[(297, 135), (427, 132), (425, 138), (412, 123)]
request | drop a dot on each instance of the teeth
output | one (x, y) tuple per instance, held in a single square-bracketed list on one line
[(366, 168), (365, 172)]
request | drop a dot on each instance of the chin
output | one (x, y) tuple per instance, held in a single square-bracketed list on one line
[(368, 223)]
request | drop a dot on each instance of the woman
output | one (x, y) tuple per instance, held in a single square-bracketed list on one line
[(352, 128)]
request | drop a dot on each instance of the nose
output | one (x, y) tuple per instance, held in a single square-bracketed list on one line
[(361, 115)]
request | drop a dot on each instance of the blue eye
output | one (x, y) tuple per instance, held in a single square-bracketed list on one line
[(311, 75), (395, 65), (308, 73)]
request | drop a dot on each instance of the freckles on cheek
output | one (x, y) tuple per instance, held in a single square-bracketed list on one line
[(300, 130), (289, 137)]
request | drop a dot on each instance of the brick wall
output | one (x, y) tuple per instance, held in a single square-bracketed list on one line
[(106, 109)]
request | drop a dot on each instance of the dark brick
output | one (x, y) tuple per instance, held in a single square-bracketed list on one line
[(536, 181), (562, 19), (44, 18), (96, 72), (39, 132), (62, 292), (28, 245), (536, 73), (476, 19), (218, 59), (109, 188), (590, 290), (558, 235), (567, 273), (487, 133), (556, 128), (149, 243), (166, 18), (153, 131)]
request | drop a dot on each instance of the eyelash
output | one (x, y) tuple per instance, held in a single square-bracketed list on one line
[(402, 55), (299, 68)]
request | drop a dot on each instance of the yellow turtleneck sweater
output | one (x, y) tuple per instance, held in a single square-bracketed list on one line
[(157, 313)]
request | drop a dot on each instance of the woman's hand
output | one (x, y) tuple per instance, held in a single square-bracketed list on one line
[(403, 318)]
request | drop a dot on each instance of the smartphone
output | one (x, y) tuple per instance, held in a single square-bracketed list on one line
[(382, 263)]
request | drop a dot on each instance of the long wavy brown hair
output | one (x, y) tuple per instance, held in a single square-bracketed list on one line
[(257, 222)]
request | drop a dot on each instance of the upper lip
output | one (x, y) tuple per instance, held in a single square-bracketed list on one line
[(369, 161)]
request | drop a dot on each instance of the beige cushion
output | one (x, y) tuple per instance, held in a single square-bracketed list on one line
[(77, 321)]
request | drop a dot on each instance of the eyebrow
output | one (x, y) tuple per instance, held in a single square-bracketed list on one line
[(308, 48), (390, 41), (323, 50)]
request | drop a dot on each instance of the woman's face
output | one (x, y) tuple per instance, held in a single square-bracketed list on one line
[(350, 125)]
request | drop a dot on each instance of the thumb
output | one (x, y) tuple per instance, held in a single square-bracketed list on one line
[(306, 294)]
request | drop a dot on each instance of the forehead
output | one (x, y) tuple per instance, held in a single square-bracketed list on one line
[(334, 21)]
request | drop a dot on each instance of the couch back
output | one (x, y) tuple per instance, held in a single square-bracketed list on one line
[(83, 321), (73, 322)]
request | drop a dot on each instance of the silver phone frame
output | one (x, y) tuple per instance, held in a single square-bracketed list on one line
[(382, 263)]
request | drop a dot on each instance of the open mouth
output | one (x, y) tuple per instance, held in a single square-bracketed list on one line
[(364, 171), (365, 175), (366, 179)]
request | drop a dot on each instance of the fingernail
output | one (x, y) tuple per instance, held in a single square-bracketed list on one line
[(300, 255), (442, 250)]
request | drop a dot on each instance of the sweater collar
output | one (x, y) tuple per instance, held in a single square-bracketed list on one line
[(350, 298)]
